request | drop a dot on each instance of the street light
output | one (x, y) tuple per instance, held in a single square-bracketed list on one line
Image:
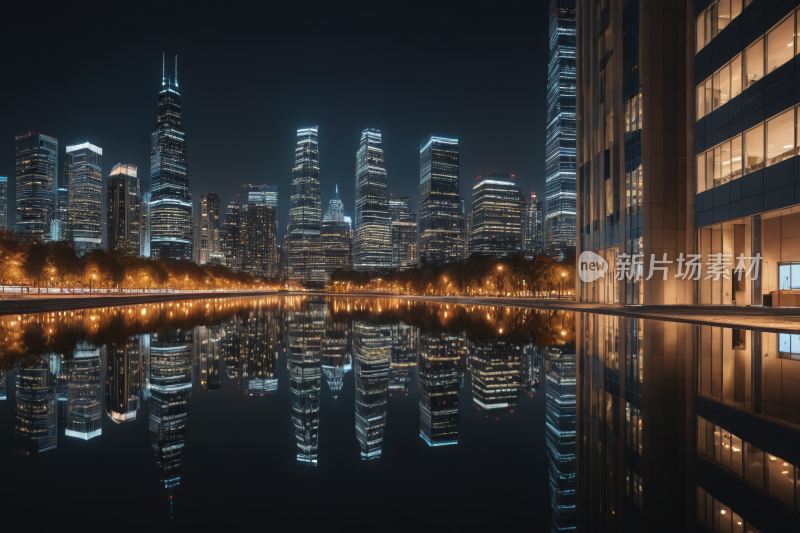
[(562, 285)]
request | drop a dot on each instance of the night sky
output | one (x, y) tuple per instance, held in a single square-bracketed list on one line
[(250, 76)]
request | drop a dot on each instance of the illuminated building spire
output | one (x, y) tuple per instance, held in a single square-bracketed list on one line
[(176, 71), (163, 72)]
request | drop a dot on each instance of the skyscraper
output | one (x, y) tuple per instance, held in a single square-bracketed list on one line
[(171, 212), (35, 427), (440, 220), (560, 412), (257, 244), (534, 242), (497, 373), (399, 208), (305, 213), (404, 232), (86, 196), (3, 202), (123, 192), (496, 217), (372, 349), (214, 203), (337, 237), (231, 243), (560, 183), (60, 230), (373, 234), (201, 233), (35, 169), (144, 224)]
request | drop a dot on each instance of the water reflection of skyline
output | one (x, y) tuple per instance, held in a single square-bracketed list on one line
[(626, 401)]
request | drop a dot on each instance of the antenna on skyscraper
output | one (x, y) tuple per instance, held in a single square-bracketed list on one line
[(176, 71), (163, 72)]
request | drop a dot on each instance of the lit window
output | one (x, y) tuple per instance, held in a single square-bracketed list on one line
[(780, 138), (754, 150), (754, 63), (780, 44)]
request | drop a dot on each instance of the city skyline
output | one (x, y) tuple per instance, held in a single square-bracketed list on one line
[(399, 111)]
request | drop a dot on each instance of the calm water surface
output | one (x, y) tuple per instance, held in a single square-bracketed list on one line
[(345, 413)]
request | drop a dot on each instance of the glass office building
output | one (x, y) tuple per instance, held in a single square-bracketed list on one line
[(3, 202), (534, 229), (171, 229), (86, 196), (305, 212), (372, 348), (337, 237), (260, 194), (496, 217), (35, 170), (123, 216), (441, 223), (373, 235), (560, 185)]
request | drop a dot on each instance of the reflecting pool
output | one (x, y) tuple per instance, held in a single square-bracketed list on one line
[(333, 412)]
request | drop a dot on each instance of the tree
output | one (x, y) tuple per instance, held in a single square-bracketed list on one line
[(64, 261), (35, 264)]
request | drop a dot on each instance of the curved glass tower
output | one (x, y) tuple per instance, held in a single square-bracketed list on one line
[(171, 202)]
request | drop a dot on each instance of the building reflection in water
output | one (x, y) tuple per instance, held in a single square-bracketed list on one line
[(3, 384), (372, 348), (497, 370), (258, 354), (305, 329), (84, 420), (35, 426), (438, 365), (560, 435), (336, 348), (405, 340), (170, 389), (123, 379)]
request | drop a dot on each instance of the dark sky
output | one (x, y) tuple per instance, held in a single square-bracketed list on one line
[(251, 75)]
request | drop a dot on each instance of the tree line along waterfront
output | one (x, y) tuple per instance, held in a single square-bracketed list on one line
[(540, 276), (29, 265)]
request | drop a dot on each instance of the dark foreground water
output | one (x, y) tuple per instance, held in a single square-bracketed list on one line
[(341, 413)]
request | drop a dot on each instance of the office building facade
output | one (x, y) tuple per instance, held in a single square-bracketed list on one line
[(3, 202), (123, 210), (441, 224), (85, 196), (144, 224), (372, 242), (305, 212), (214, 206), (337, 237), (496, 217), (560, 185), (257, 244), (231, 242), (201, 233), (171, 228), (260, 194), (36, 173), (534, 230)]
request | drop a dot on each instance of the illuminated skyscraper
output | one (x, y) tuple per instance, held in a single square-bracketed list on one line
[(201, 233), (372, 245), (35, 426), (438, 382), (372, 349), (534, 232), (231, 242), (441, 224), (171, 229), (170, 388), (60, 230), (560, 389), (399, 208), (35, 170), (144, 224), (214, 203), (496, 217), (123, 379), (123, 209), (306, 329), (3, 202), (337, 237), (84, 414), (257, 236), (85, 196), (305, 213), (404, 232), (560, 184)]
